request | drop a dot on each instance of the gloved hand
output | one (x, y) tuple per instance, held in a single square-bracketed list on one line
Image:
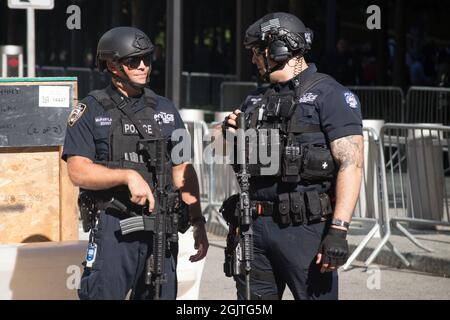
[(333, 251), (230, 122)]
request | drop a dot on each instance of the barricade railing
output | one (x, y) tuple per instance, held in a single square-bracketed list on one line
[(385, 103), (371, 206), (202, 90), (428, 105), (414, 184), (216, 180), (224, 92), (85, 80), (197, 131), (232, 94), (221, 179), (50, 71), (417, 176)]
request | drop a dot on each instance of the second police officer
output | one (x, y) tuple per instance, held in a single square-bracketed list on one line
[(302, 213), (104, 159)]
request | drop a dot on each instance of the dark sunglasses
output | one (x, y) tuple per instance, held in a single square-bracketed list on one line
[(135, 62)]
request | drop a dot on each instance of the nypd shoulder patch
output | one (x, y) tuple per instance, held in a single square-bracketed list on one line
[(76, 113), (351, 100)]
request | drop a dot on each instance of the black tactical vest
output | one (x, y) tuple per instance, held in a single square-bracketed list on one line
[(292, 120), (128, 129)]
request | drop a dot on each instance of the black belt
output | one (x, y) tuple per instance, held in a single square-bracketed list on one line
[(264, 208), (271, 208)]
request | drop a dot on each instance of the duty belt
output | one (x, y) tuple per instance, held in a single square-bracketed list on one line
[(295, 207)]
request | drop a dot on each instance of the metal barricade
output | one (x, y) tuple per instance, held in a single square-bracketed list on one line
[(85, 80), (100, 79), (417, 182), (197, 131), (49, 71), (413, 184), (385, 103), (428, 105), (202, 90), (232, 94), (371, 207), (222, 184)]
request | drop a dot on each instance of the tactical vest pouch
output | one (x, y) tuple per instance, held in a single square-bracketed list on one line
[(314, 209), (292, 162), (325, 204), (284, 208), (86, 204), (279, 105), (229, 209), (318, 206), (318, 163), (298, 209), (263, 146)]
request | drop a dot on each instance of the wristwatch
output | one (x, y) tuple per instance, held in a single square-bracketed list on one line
[(340, 223), (196, 220)]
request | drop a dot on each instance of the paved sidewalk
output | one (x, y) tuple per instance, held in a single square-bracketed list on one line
[(434, 263), (358, 283)]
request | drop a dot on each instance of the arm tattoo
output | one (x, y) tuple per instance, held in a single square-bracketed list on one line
[(348, 151)]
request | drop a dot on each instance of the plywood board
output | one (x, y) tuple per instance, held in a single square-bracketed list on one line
[(29, 195)]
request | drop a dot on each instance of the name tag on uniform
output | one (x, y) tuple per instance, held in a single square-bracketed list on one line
[(129, 128), (103, 121)]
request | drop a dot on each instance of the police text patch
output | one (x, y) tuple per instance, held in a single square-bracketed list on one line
[(129, 128), (308, 97), (165, 117), (76, 113)]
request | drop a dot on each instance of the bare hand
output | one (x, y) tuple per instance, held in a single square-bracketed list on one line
[(201, 243), (140, 190)]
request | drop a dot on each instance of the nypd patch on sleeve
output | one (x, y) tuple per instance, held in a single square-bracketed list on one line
[(351, 100), (76, 113)]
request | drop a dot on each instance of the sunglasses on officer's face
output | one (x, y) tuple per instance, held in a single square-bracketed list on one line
[(135, 62)]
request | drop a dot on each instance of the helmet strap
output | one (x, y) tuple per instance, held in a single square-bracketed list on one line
[(127, 80), (269, 70)]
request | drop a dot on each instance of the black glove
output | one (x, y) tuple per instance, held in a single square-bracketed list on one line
[(226, 125), (334, 248)]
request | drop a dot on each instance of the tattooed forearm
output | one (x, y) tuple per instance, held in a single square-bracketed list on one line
[(348, 152)]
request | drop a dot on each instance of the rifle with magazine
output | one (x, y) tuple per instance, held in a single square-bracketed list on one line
[(238, 213)]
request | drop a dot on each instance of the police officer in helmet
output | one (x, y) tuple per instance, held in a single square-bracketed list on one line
[(117, 179), (302, 213)]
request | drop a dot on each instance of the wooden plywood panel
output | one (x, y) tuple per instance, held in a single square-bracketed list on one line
[(29, 195), (69, 209)]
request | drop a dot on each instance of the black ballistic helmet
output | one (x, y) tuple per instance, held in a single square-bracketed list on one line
[(122, 42), (282, 33)]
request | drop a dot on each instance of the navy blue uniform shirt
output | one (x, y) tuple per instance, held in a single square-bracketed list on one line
[(88, 136), (338, 112)]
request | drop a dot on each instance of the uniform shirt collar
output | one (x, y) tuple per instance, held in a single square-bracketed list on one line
[(293, 83)]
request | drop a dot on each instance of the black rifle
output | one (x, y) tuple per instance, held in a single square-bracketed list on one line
[(245, 220), (155, 275)]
